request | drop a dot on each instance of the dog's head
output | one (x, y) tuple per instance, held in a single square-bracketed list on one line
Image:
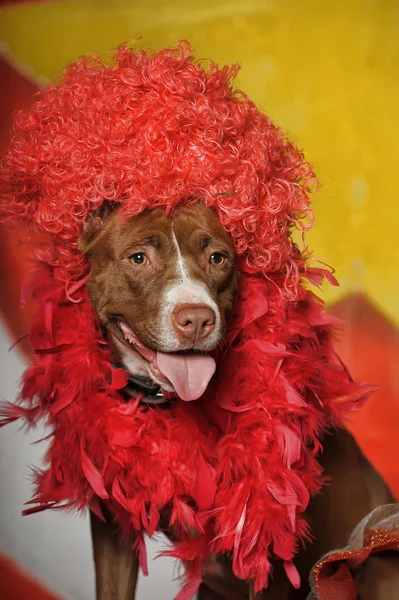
[(163, 288)]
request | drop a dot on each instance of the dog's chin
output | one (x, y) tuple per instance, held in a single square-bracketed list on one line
[(182, 372)]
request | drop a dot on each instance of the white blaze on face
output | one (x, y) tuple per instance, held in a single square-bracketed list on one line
[(186, 290)]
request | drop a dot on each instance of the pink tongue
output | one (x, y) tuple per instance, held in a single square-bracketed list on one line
[(189, 374)]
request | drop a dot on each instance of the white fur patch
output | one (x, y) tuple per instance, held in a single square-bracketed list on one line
[(131, 359), (181, 268), (185, 290)]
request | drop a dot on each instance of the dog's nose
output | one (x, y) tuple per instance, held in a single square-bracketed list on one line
[(193, 321)]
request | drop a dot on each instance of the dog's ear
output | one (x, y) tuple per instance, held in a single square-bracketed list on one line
[(91, 230), (94, 225)]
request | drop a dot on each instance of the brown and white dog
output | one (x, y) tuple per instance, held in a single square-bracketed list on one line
[(163, 288)]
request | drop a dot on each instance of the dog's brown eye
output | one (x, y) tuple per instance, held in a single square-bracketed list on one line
[(138, 258), (217, 258)]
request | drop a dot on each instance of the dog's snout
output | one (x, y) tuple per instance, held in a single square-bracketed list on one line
[(193, 322)]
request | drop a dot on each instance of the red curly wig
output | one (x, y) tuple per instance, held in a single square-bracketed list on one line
[(232, 472)]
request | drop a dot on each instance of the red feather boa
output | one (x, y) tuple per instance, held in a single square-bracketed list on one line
[(232, 472)]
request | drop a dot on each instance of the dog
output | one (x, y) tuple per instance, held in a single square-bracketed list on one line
[(163, 288)]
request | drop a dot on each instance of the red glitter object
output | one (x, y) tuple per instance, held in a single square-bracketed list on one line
[(233, 471)]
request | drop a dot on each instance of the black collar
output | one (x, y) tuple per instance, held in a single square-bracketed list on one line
[(136, 385)]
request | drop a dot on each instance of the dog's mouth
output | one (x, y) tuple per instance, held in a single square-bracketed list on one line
[(187, 373)]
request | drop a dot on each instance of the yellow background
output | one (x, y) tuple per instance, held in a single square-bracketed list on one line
[(326, 72)]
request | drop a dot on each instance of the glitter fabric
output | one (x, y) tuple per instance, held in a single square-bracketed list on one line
[(332, 577)]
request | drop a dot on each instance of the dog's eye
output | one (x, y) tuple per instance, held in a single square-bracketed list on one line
[(217, 258), (138, 258)]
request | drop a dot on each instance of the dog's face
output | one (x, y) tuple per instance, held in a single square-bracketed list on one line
[(163, 288)]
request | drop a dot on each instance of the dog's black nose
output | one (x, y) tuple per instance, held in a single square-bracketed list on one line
[(193, 322)]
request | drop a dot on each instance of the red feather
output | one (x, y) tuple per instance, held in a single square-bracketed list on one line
[(60, 404), (316, 276), (10, 412), (140, 547), (95, 507), (119, 379), (292, 574), (205, 487), (93, 475), (289, 443), (153, 520)]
